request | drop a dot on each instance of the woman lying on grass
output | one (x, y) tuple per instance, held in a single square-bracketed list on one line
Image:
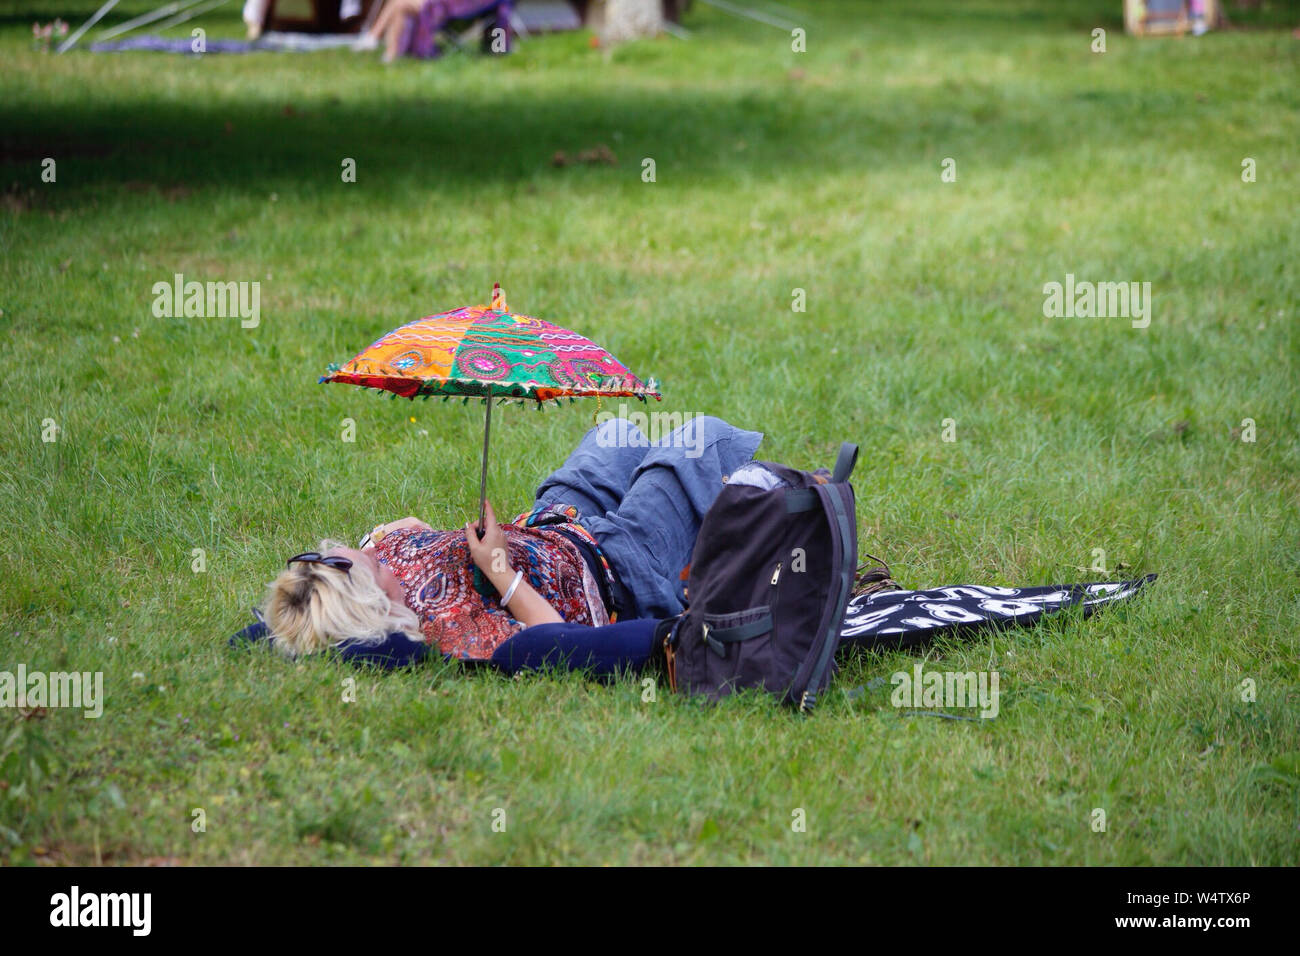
[(607, 538)]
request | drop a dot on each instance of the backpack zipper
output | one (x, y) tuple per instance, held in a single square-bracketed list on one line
[(777, 573)]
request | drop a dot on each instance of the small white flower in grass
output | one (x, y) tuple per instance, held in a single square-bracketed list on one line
[(137, 675)]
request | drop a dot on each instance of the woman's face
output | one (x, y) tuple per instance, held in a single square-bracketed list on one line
[(386, 578)]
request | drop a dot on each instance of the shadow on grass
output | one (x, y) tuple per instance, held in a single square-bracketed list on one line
[(412, 143)]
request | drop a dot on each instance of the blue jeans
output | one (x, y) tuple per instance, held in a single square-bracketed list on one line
[(644, 501)]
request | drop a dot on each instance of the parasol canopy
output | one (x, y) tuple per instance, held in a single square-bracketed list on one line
[(490, 352)]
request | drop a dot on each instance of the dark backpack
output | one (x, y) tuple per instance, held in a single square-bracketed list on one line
[(768, 585)]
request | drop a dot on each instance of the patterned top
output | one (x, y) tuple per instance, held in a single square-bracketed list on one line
[(459, 609)]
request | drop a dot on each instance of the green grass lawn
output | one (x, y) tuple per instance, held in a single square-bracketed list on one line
[(775, 171)]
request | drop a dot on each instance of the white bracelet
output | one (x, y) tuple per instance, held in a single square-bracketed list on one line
[(510, 591)]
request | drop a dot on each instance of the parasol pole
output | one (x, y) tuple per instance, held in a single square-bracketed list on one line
[(498, 302), (482, 484)]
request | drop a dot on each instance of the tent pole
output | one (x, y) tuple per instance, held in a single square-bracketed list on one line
[(66, 45), (756, 15), (166, 10), (188, 14), (482, 485)]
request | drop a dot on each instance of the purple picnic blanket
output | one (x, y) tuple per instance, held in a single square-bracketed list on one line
[(159, 44)]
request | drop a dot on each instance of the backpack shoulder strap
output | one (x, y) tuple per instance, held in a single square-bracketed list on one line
[(838, 501)]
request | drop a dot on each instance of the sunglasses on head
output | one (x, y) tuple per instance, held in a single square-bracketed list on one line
[(335, 561)]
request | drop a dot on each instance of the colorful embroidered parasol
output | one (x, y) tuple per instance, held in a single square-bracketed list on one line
[(486, 351)]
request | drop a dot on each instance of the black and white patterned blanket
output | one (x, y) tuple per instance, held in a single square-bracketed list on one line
[(900, 619)]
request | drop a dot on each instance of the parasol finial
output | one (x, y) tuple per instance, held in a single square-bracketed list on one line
[(498, 298)]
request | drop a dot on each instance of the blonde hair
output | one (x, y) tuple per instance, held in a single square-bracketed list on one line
[(311, 607)]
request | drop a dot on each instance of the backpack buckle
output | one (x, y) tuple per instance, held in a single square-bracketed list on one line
[(712, 643)]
